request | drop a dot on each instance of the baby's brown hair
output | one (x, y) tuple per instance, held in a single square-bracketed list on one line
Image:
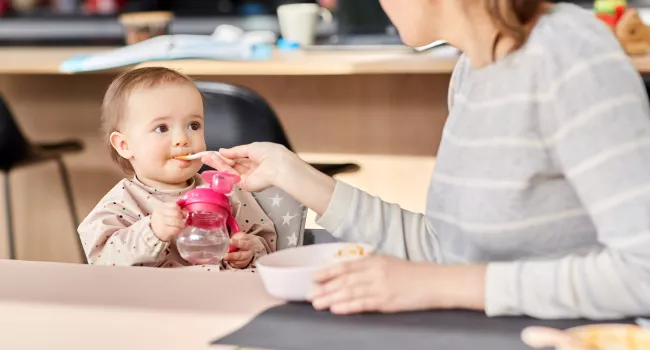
[(117, 95)]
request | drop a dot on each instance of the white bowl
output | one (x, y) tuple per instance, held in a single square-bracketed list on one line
[(288, 274)]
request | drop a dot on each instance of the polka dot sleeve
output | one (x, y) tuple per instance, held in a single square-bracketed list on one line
[(118, 233)]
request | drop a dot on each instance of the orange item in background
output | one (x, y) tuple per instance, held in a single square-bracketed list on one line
[(140, 26), (633, 34)]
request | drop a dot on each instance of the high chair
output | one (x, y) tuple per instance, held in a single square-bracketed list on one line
[(235, 115)]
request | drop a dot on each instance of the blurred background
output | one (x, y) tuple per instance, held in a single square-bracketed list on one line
[(95, 22)]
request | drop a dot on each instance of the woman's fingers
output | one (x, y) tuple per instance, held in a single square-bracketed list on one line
[(235, 152), (343, 295), (240, 169), (342, 281), (343, 288), (243, 162), (352, 290), (339, 269), (355, 306), (215, 161)]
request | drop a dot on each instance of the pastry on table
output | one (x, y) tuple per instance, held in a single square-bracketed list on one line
[(591, 337)]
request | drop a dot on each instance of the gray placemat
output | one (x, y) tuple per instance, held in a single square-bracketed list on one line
[(299, 326)]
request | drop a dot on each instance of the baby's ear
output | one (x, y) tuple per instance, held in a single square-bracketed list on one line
[(118, 141)]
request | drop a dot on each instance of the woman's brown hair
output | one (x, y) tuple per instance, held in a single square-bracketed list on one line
[(512, 17)]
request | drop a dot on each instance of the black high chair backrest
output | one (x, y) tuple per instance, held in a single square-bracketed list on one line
[(13, 144), (235, 115)]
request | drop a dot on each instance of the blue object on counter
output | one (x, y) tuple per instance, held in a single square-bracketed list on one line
[(168, 47), (288, 45), (252, 9)]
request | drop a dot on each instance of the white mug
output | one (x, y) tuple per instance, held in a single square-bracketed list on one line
[(298, 21)]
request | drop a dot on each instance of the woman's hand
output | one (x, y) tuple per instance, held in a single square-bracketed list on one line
[(387, 285), (258, 164), (376, 283), (262, 165)]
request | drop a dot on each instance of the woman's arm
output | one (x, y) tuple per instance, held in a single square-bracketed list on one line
[(356, 216), (387, 284), (346, 212), (305, 184)]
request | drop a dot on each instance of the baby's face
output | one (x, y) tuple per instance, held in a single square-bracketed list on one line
[(161, 123)]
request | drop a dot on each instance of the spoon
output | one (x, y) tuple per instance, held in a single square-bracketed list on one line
[(193, 156)]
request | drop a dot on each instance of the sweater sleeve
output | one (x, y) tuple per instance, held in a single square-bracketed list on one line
[(118, 233), (356, 216), (599, 136)]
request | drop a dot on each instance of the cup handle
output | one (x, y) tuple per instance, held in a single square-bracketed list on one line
[(232, 223), (188, 218), (234, 228), (326, 15)]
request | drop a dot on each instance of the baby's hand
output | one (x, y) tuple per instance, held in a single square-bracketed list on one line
[(167, 222), (241, 258)]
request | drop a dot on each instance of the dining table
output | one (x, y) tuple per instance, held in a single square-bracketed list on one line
[(45, 305)]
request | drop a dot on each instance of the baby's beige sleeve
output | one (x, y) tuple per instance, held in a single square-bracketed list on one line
[(118, 233)]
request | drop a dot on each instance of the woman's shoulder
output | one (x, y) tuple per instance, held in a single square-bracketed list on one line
[(563, 37), (569, 35), (568, 46)]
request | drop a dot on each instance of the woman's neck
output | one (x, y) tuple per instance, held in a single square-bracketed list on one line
[(481, 40)]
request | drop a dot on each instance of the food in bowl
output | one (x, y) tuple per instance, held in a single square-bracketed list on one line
[(140, 26), (349, 252), (288, 274), (354, 250)]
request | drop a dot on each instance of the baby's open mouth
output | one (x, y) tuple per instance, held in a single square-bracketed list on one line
[(182, 156)]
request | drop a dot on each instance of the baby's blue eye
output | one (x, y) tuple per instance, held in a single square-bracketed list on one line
[(195, 126), (161, 128)]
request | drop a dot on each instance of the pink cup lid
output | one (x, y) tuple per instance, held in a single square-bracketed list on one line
[(220, 184)]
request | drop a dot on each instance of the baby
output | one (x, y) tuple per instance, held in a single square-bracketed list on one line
[(150, 116)]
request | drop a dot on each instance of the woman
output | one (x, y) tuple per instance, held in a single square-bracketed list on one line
[(540, 200)]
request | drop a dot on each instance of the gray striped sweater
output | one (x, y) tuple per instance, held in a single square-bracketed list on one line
[(543, 172)]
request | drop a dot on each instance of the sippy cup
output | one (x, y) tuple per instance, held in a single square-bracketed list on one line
[(206, 239)]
